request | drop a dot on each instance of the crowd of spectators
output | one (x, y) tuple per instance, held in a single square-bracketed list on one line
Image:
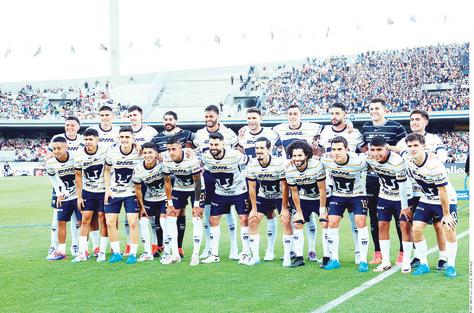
[(457, 144), (26, 149)]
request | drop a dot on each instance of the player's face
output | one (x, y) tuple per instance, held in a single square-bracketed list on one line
[(338, 152), (298, 157), (91, 143), (377, 111), (418, 123), (337, 116), (59, 149), (261, 150), (416, 149), (175, 151), (254, 121), (379, 153), (211, 118), (126, 139), (135, 118), (169, 122), (216, 147), (71, 128), (294, 117), (149, 155), (106, 117)]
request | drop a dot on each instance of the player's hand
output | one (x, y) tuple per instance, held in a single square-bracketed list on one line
[(407, 213), (449, 222), (285, 215), (198, 212), (253, 214), (143, 212), (48, 156), (80, 203), (189, 153), (350, 126), (242, 131), (108, 194), (59, 200), (159, 157), (138, 147), (170, 210), (178, 129), (323, 214), (298, 217)]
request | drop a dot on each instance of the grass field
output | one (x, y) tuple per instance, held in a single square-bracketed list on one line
[(29, 283)]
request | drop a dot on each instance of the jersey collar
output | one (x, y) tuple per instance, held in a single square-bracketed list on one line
[(348, 157), (424, 162), (301, 124), (339, 131), (257, 133), (105, 131), (85, 150), (67, 138), (120, 148), (223, 155), (388, 157), (67, 159), (269, 161)]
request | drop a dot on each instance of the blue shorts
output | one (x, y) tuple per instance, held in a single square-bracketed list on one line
[(268, 205), (428, 213), (221, 204), (155, 208), (180, 199), (93, 201), (210, 185), (388, 208), (115, 205), (66, 210), (357, 204)]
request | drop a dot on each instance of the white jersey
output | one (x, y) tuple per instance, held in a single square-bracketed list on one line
[(268, 177), (201, 139), (354, 138), (391, 173), (72, 144), (248, 140), (229, 178), (429, 176), (107, 137), (153, 179), (433, 144), (306, 131), (307, 181), (348, 178), (65, 172), (121, 183), (183, 171), (92, 167), (144, 134)]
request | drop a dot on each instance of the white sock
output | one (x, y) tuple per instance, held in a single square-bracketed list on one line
[(254, 243), (207, 226), (231, 223), (271, 234), (443, 255), (154, 239), (103, 244), (74, 230), (115, 246), (355, 235), (82, 244), (385, 250), (363, 238), (215, 237), (94, 236), (452, 249), (54, 229), (407, 248), (62, 248), (324, 240), (299, 242), (311, 229), (421, 249), (166, 237), (287, 244), (144, 224), (197, 235), (333, 242), (244, 234), (173, 234), (133, 249)]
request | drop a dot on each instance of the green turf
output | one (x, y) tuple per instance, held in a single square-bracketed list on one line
[(30, 283)]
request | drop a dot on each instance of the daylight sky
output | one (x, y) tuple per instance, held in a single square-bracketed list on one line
[(187, 29)]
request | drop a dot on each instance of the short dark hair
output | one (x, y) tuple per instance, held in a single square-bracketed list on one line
[(124, 129), (150, 145), (105, 108), (339, 105), (216, 135), (90, 132), (423, 113), (379, 100), (73, 118), (173, 114), (294, 106), (415, 137), (378, 141), (254, 110), (267, 142), (212, 108), (60, 139), (135, 108), (340, 139), (172, 140), (300, 144)]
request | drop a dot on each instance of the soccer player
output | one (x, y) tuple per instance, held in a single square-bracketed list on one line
[(89, 176), (395, 192), (224, 164), (438, 202), (339, 127), (347, 171), (201, 141), (149, 173), (433, 144), (393, 132), (288, 132), (120, 161), (74, 141), (307, 180), (269, 172), (247, 136), (60, 169), (187, 185)]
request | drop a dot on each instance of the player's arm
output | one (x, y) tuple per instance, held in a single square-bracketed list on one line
[(253, 197), (139, 196), (285, 213), (78, 178), (296, 201), (169, 198), (108, 191), (197, 210), (322, 201), (448, 220), (404, 190)]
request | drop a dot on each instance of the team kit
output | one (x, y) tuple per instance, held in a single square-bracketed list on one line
[(301, 173)]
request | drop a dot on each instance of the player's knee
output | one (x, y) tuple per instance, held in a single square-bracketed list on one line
[(244, 220)]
